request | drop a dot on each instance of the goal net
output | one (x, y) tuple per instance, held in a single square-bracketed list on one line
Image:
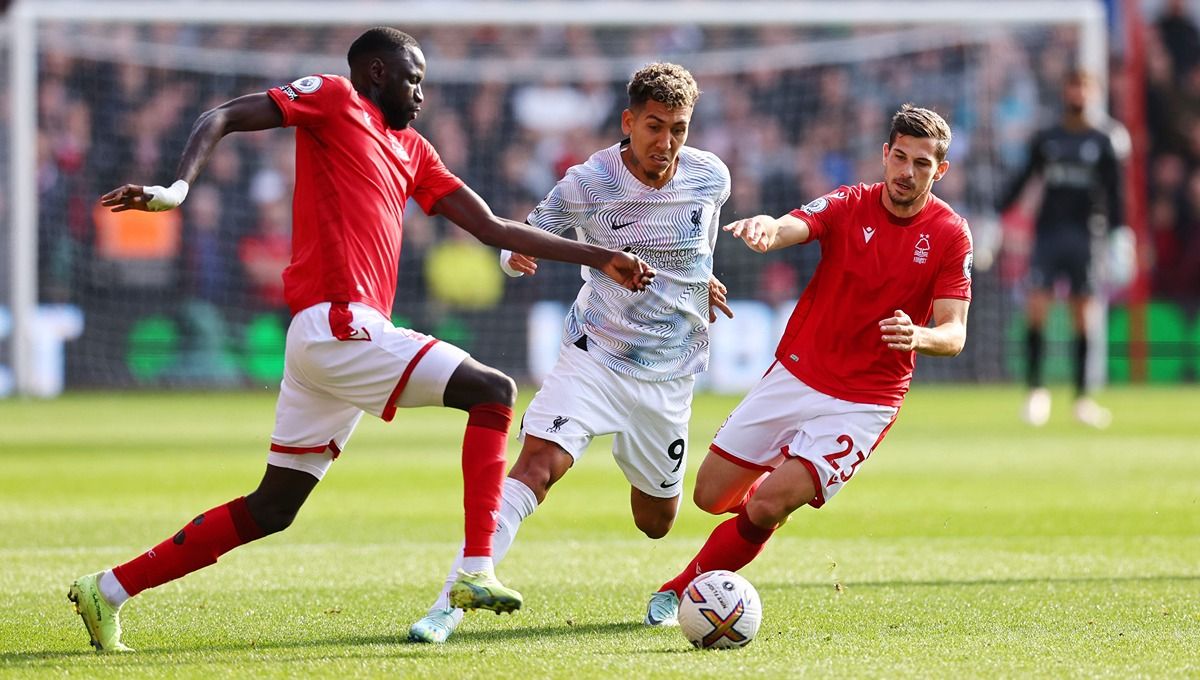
[(796, 100)]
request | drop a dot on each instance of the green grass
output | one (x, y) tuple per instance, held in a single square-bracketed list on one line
[(969, 546)]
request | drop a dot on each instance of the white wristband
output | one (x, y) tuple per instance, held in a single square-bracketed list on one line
[(165, 198), (505, 257)]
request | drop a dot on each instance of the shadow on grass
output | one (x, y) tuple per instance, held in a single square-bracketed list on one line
[(390, 646), (154, 655), (547, 632), (396, 646)]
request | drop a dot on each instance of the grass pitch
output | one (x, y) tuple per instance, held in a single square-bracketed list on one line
[(968, 545)]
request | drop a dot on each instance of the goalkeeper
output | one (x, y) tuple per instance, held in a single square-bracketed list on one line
[(1080, 170)]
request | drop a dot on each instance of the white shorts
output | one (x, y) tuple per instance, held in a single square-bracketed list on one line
[(344, 359), (781, 417), (582, 398)]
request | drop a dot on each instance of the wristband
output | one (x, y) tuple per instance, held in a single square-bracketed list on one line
[(165, 198)]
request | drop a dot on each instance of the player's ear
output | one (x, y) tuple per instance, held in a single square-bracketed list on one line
[(377, 70), (886, 149), (627, 118), (941, 170)]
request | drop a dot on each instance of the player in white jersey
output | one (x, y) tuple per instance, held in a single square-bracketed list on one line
[(629, 361)]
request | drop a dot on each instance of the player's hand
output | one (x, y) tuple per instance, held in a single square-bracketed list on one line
[(516, 264), (629, 270), (146, 198), (758, 232), (523, 263), (717, 299), (899, 332)]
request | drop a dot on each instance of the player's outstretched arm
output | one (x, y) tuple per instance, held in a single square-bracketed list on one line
[(764, 233), (250, 112), (945, 339), (466, 209)]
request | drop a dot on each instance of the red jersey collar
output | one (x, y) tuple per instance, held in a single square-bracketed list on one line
[(377, 120), (897, 220)]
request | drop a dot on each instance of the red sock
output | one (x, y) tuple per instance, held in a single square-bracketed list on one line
[(484, 446), (197, 545), (731, 546)]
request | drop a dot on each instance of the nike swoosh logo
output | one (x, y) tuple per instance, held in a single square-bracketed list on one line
[(665, 485), (621, 226)]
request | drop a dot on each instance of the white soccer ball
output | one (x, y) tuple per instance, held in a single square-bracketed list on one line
[(719, 610)]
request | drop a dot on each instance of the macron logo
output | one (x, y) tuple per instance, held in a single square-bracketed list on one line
[(868, 232)]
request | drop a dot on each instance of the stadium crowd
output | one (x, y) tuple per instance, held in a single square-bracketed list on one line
[(788, 131)]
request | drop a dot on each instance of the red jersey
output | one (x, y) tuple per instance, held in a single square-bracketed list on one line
[(354, 176), (872, 263)]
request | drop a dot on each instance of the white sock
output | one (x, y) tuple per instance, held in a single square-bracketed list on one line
[(111, 589), (516, 503), (474, 565)]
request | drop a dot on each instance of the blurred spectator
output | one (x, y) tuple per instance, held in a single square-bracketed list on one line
[(265, 253), (205, 260), (1173, 116), (1178, 272), (1180, 35)]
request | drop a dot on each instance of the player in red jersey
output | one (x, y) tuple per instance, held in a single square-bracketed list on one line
[(893, 256), (357, 164)]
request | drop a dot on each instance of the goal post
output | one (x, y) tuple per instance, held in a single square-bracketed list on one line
[(831, 33)]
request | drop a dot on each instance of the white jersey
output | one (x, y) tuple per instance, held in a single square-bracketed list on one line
[(660, 333)]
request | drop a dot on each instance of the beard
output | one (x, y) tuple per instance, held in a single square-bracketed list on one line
[(901, 201)]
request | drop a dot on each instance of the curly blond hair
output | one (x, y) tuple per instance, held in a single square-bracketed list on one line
[(666, 83)]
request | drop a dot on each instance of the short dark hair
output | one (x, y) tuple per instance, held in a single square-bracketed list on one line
[(380, 39), (914, 121), (668, 84)]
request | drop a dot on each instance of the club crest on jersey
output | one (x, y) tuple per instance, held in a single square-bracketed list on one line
[(921, 252), (397, 148), (696, 217), (308, 84)]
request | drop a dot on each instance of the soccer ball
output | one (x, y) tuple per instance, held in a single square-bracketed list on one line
[(719, 610)]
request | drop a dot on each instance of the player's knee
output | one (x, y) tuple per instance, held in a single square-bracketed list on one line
[(473, 384), (709, 500), (498, 388), (272, 520), (271, 517), (655, 526), (768, 511)]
